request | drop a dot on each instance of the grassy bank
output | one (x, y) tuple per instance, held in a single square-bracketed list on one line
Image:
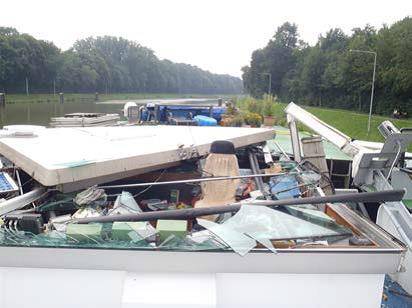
[(71, 97), (351, 123)]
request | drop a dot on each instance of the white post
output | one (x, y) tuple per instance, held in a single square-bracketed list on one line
[(372, 91), (294, 136), (373, 83), (27, 86)]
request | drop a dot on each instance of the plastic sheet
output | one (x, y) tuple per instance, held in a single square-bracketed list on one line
[(288, 186), (310, 177), (125, 204), (90, 196), (284, 187)]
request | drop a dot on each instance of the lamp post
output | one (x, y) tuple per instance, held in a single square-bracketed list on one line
[(373, 82), (270, 82)]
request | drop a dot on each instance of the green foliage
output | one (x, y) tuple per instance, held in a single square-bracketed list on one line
[(276, 59), (351, 123), (76, 97), (253, 119), (254, 106), (268, 105), (104, 64), (231, 110), (237, 121), (327, 74)]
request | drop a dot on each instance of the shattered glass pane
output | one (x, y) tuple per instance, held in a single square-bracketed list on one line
[(239, 242), (284, 223)]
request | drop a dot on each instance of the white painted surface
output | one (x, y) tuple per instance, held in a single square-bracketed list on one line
[(24, 128), (293, 290), (294, 260), (51, 288), (390, 224), (328, 132), (169, 290), (65, 155)]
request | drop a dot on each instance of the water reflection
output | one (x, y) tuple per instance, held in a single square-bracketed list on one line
[(40, 113)]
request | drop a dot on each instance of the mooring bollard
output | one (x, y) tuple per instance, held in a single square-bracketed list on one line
[(96, 97), (220, 102), (2, 99), (61, 98)]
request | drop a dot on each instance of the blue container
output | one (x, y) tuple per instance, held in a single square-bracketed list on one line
[(202, 120)]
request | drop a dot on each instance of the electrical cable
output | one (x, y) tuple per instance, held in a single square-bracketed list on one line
[(146, 189)]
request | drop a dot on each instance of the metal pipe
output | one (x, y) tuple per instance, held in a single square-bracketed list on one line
[(19, 182), (254, 165), (184, 214), (372, 92), (396, 159), (217, 178), (21, 201), (282, 151)]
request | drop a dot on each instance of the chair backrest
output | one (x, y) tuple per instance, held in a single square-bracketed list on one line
[(219, 192)]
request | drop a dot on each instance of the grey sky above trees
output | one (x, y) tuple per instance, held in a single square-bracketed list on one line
[(216, 35)]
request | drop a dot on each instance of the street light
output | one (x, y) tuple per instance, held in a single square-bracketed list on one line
[(373, 82), (270, 82)]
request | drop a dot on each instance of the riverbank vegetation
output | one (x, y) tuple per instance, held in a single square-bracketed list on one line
[(329, 75), (351, 123), (103, 64), (102, 97)]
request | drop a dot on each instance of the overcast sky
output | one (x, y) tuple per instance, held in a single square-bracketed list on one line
[(216, 35)]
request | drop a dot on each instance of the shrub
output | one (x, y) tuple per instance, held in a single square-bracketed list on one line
[(253, 119), (268, 108), (237, 121), (254, 106), (269, 102), (231, 110)]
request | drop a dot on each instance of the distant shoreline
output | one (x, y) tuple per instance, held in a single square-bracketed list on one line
[(113, 98)]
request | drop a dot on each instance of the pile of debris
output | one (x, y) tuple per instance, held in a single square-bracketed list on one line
[(212, 198)]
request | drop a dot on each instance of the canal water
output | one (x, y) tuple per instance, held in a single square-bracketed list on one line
[(40, 113)]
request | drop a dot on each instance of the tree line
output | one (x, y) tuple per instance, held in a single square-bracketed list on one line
[(103, 64), (333, 73)]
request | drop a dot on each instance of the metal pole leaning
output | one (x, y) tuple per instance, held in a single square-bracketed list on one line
[(184, 214)]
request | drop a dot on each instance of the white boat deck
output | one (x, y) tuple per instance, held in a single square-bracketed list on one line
[(75, 158)]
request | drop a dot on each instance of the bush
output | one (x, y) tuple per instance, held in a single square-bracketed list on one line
[(268, 109), (254, 106), (231, 110), (253, 119), (237, 121), (269, 102)]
